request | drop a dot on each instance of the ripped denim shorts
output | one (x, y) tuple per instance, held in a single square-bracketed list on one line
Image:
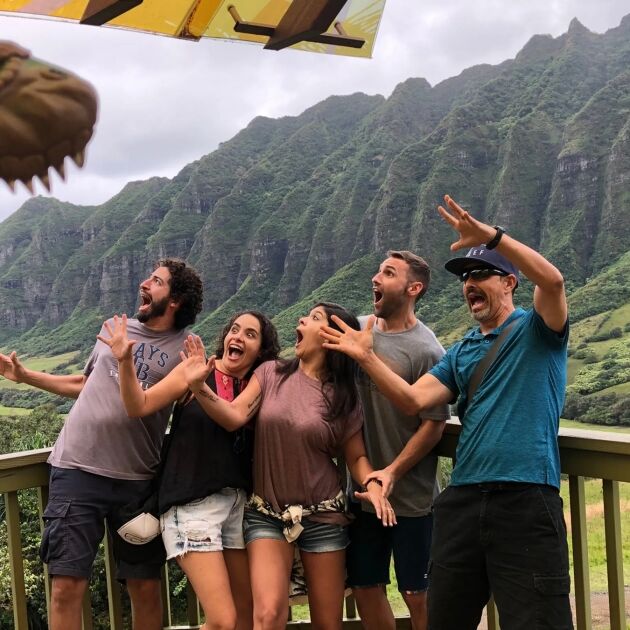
[(213, 523)]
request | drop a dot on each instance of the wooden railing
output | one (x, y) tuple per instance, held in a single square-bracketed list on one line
[(584, 454)]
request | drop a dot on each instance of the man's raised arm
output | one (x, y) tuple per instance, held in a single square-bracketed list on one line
[(68, 385), (426, 392), (549, 296)]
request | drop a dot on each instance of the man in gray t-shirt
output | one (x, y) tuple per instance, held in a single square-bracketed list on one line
[(103, 459), (400, 445)]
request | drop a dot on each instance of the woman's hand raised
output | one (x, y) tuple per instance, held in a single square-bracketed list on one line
[(195, 366)]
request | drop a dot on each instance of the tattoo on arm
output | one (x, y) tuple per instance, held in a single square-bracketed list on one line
[(209, 395), (253, 406)]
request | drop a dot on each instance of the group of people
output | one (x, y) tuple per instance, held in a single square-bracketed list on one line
[(253, 468)]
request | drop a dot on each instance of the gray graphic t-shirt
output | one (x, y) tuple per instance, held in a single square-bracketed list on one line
[(386, 429), (98, 436)]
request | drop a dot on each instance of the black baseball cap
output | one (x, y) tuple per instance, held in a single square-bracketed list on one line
[(481, 258)]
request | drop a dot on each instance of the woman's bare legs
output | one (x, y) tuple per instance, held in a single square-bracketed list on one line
[(238, 570), (325, 580), (270, 563), (207, 573)]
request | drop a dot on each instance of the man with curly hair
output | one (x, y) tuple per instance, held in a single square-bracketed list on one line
[(103, 460)]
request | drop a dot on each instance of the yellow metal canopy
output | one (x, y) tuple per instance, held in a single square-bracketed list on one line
[(338, 27)]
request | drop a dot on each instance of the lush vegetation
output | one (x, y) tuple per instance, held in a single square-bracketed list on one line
[(302, 208)]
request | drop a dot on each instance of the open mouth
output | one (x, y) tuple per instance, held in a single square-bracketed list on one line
[(145, 301), (298, 337), (378, 296), (235, 352), (475, 300)]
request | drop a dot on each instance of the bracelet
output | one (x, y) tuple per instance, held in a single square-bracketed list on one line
[(497, 237)]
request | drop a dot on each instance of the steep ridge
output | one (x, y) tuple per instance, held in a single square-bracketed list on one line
[(302, 207)]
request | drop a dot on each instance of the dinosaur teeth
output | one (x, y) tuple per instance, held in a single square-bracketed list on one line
[(46, 181), (33, 165), (29, 184), (79, 158), (82, 138), (61, 171), (58, 152)]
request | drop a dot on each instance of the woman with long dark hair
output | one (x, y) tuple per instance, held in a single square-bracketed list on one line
[(207, 470), (308, 414)]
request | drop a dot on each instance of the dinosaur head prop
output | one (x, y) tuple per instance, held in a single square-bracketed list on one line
[(46, 114)]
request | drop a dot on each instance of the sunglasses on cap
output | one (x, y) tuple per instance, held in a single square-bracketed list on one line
[(481, 274)]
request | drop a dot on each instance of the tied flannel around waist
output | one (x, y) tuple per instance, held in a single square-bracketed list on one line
[(292, 515)]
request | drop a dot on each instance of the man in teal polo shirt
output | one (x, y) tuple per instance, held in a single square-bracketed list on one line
[(499, 527)]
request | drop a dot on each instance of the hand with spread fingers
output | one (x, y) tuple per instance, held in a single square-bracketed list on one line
[(196, 367), (471, 231), (12, 368), (357, 344), (118, 342), (374, 493)]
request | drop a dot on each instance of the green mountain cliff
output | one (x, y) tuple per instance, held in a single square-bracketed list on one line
[(303, 208)]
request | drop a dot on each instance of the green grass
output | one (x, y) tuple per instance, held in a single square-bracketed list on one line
[(585, 328), (618, 318), (620, 388), (14, 411), (574, 424), (573, 367), (600, 348)]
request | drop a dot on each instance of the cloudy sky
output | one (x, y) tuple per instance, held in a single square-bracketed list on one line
[(165, 103)]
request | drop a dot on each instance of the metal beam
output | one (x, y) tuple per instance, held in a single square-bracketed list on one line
[(304, 19), (99, 12)]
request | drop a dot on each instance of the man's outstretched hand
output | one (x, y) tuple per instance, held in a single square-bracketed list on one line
[(357, 344), (471, 231), (11, 368), (118, 342)]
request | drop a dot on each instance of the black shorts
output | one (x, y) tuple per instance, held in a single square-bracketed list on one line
[(371, 546), (78, 505)]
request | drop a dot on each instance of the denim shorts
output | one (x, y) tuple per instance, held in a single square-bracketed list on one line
[(213, 523), (316, 537)]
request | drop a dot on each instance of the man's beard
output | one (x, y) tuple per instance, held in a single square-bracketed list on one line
[(157, 309), (482, 315), (392, 305)]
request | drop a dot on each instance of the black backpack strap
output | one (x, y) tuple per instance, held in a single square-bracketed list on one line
[(166, 444), (482, 367)]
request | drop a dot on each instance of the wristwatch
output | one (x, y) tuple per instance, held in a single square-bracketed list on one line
[(497, 237)]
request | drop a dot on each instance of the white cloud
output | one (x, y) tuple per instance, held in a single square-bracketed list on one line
[(165, 103)]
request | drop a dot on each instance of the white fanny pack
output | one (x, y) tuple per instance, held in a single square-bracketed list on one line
[(141, 529)]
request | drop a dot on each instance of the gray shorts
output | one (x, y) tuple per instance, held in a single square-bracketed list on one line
[(213, 523)]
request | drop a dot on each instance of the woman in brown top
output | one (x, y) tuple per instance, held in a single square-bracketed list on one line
[(308, 413)]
